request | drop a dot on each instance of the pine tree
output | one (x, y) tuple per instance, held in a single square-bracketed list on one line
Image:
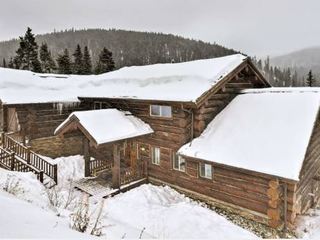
[(11, 63), (87, 64), (310, 81), (27, 53), (105, 62), (47, 63), (4, 63), (64, 63), (78, 61), (19, 61)]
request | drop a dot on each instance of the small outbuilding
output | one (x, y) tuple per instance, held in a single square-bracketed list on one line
[(110, 134)]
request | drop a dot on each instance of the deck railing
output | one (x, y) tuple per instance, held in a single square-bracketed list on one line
[(98, 165), (30, 157), (10, 161), (131, 174)]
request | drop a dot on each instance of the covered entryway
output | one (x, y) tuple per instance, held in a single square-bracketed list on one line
[(110, 144)]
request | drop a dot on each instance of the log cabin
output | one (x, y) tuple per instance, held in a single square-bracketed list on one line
[(213, 129)]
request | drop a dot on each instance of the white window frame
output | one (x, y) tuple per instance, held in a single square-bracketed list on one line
[(180, 159), (160, 110), (205, 175), (155, 155), (98, 105)]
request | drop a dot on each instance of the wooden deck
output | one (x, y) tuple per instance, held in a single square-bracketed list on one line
[(99, 187)]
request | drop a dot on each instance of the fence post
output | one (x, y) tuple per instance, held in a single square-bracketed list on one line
[(12, 157), (55, 173)]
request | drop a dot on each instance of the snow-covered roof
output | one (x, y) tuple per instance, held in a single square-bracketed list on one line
[(264, 130), (169, 82), (108, 125)]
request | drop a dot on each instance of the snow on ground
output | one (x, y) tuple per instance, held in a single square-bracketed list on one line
[(150, 211), (174, 81), (251, 131), (164, 213), (26, 187), (19, 219), (69, 168), (308, 225), (100, 124)]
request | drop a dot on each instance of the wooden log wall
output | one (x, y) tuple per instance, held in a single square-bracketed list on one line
[(37, 120), (308, 189), (168, 132), (218, 100), (236, 187)]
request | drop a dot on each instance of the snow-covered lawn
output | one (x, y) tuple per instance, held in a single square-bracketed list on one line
[(150, 211)]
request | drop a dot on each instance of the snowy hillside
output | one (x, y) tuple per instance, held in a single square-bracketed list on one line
[(149, 211)]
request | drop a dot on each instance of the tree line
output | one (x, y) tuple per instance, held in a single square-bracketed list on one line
[(28, 57), (128, 47), (285, 77)]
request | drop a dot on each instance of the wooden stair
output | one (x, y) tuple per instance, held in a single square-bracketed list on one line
[(15, 156)]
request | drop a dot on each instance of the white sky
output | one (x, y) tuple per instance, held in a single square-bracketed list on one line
[(256, 27)]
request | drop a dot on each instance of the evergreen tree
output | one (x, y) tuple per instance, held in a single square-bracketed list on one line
[(87, 64), (4, 63), (64, 63), (259, 64), (105, 62), (47, 63), (310, 81), (11, 63), (27, 53), (78, 61), (19, 61)]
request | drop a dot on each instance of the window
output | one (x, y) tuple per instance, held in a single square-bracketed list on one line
[(99, 105), (179, 163), (155, 155), (205, 170), (161, 111)]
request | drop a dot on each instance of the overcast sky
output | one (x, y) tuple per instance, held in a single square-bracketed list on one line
[(256, 27)]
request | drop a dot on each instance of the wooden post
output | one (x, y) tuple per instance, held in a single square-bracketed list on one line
[(55, 173), (2, 139), (28, 155), (86, 154), (12, 161), (41, 176), (116, 167)]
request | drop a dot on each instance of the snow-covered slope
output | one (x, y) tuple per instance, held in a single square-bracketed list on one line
[(172, 82), (264, 130), (149, 211), (19, 219)]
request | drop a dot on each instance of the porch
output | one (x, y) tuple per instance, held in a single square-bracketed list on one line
[(110, 149)]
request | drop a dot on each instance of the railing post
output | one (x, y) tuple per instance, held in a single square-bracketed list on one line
[(41, 176), (2, 139), (55, 173), (12, 157), (28, 155)]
